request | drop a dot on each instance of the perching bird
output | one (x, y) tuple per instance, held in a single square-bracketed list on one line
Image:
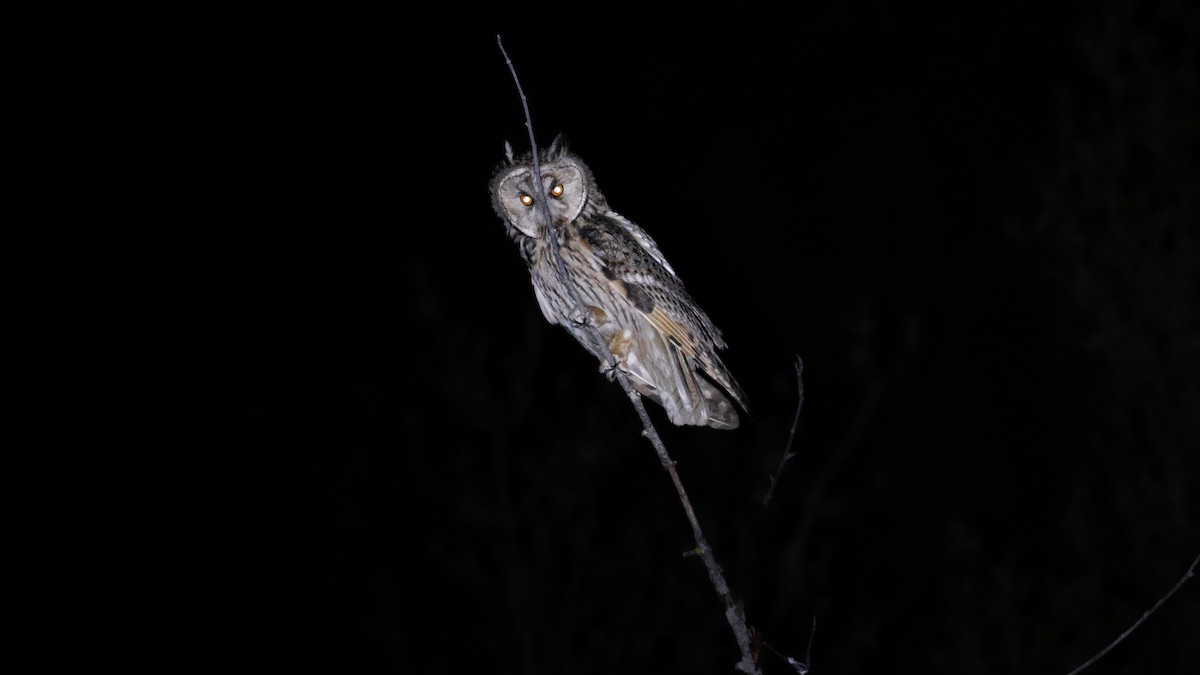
[(659, 336)]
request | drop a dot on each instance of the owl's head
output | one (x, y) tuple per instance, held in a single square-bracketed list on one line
[(568, 183)]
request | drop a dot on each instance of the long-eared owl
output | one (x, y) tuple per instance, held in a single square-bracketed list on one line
[(658, 335)]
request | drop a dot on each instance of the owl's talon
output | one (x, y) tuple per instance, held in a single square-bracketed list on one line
[(609, 370), (578, 318)]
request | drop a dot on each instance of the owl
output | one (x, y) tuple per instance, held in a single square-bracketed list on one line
[(653, 329)]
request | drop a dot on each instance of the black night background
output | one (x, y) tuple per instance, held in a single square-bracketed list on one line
[(349, 441)]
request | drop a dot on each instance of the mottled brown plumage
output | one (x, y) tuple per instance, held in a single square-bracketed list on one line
[(659, 336)]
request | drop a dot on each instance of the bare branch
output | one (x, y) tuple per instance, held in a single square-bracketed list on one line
[(1191, 572), (733, 611), (787, 449)]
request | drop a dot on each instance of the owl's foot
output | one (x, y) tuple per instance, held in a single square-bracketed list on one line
[(619, 346), (609, 370), (590, 315)]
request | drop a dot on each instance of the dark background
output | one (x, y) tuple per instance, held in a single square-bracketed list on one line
[(347, 439)]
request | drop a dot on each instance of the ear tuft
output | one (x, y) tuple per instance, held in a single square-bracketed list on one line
[(508, 154), (558, 148)]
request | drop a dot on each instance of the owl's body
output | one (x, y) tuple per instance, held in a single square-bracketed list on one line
[(657, 334)]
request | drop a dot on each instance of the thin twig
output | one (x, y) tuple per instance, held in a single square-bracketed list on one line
[(733, 611), (1191, 572), (787, 449), (800, 667)]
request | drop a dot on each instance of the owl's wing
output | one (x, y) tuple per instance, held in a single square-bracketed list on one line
[(639, 235), (687, 326), (640, 273)]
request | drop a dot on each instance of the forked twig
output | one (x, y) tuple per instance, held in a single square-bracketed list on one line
[(733, 611), (798, 666), (787, 449), (1191, 572)]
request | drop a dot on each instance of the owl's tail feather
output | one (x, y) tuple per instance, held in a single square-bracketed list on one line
[(697, 402), (721, 414), (663, 373), (713, 408), (689, 398)]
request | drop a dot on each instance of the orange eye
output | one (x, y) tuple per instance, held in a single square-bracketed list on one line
[(557, 190), (527, 200)]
